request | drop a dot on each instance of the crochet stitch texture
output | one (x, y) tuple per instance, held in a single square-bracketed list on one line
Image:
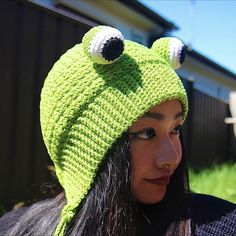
[(85, 107)]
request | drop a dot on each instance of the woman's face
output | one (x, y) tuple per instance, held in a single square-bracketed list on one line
[(156, 151)]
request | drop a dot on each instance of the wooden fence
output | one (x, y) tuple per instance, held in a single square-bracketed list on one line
[(208, 139), (32, 39)]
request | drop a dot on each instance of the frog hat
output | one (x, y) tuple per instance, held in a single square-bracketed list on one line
[(93, 94)]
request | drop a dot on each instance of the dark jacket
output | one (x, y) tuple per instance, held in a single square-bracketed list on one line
[(206, 215)]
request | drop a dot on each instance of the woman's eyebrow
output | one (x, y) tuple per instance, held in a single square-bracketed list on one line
[(159, 116)]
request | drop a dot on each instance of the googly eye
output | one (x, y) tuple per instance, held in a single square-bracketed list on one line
[(177, 53), (105, 45)]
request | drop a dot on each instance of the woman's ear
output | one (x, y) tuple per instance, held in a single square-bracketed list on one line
[(171, 49)]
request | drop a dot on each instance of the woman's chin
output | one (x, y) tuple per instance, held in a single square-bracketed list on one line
[(151, 198)]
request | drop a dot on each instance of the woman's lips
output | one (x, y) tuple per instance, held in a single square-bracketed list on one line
[(164, 180)]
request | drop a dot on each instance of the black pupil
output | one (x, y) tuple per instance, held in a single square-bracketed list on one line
[(112, 49), (182, 55), (150, 133)]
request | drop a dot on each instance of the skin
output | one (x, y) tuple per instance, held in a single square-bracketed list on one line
[(156, 151)]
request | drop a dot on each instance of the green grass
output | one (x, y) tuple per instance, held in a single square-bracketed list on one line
[(219, 181)]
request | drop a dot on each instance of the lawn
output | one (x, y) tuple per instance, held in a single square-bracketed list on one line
[(219, 181)]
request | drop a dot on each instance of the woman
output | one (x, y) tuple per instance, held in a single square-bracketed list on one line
[(111, 117)]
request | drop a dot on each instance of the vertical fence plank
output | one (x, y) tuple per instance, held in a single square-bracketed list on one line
[(7, 89), (209, 142), (47, 56), (27, 60), (187, 127)]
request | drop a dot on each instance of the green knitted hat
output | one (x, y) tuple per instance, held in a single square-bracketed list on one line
[(93, 93)]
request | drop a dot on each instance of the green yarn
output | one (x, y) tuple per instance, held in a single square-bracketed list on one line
[(162, 48), (85, 107), (88, 37)]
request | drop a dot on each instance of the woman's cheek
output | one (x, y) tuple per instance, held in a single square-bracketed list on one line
[(140, 151), (138, 159)]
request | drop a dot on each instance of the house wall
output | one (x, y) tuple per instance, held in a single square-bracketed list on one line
[(208, 79), (132, 25)]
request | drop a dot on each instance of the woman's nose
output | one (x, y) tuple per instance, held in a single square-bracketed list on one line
[(166, 154)]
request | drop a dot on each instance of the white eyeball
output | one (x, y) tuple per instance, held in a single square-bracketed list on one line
[(177, 53), (106, 46)]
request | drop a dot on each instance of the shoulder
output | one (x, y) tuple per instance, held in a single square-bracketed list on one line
[(211, 215), (199, 203), (8, 220), (41, 217)]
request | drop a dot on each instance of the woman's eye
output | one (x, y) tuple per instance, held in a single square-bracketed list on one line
[(177, 129), (146, 134)]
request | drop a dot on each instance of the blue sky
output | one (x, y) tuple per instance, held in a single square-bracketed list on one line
[(209, 26)]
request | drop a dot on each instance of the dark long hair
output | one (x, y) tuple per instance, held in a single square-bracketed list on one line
[(108, 209)]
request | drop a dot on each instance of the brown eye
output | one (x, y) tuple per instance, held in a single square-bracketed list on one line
[(145, 134), (177, 129)]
